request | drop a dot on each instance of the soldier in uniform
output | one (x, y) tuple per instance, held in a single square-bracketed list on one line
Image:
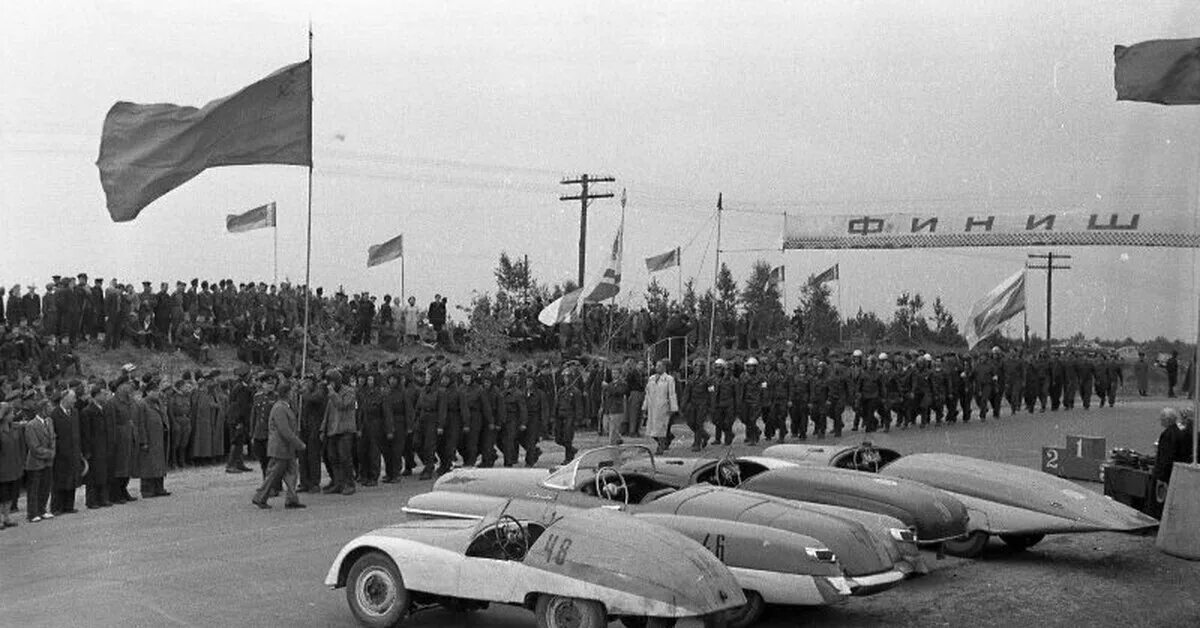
[(1037, 372), (613, 390), (1014, 379), (854, 373), (696, 401), (868, 390), (430, 410), (453, 426), (1116, 377), (1070, 380), (374, 430), (920, 392), (1085, 370), (180, 411), (338, 427), (489, 433), (778, 397), (512, 418), (568, 411), (754, 394), (537, 410), (396, 414), (987, 384), (476, 408), (800, 387), (1057, 380), (724, 403), (260, 414), (822, 383)]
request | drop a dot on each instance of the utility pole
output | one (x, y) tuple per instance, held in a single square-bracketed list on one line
[(583, 197), (1049, 267)]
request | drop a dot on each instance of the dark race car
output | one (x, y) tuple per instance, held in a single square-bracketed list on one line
[(1018, 504), (934, 515)]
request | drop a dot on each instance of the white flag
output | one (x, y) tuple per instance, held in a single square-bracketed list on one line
[(606, 285), (989, 313)]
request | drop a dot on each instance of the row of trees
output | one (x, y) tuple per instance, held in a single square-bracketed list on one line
[(753, 310)]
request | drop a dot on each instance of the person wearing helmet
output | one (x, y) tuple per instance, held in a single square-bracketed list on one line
[(754, 397), (723, 402)]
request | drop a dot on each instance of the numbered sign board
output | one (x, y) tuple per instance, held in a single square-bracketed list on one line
[(1089, 447), (1052, 458)]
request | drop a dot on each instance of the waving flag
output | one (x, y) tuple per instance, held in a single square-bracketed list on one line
[(663, 261), (260, 217), (149, 150), (386, 252), (1163, 71), (989, 313), (830, 274), (606, 285), (778, 274)]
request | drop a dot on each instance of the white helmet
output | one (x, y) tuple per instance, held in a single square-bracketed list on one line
[(927, 357), (751, 361), (719, 362), (858, 353), (882, 356)]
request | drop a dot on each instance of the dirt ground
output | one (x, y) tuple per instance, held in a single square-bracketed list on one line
[(204, 556)]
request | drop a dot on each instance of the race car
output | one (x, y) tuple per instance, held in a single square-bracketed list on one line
[(936, 516), (1019, 505), (575, 569), (875, 551)]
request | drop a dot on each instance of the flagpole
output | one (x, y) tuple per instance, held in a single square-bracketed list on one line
[(712, 312), (402, 299), (275, 232), (841, 341), (308, 229), (679, 273)]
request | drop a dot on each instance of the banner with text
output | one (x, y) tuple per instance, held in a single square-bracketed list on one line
[(910, 231)]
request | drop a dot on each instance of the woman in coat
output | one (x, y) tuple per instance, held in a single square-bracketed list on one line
[(661, 404), (152, 432)]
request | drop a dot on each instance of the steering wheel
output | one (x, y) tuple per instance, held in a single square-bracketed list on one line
[(602, 485), (512, 539), (727, 472)]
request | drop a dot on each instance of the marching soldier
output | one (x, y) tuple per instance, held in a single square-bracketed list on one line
[(697, 400), (778, 387), (1037, 372), (869, 391), (1057, 380), (1071, 372), (822, 383), (430, 412), (512, 419), (987, 385), (374, 430), (1014, 379), (753, 396), (1085, 370), (452, 426), (476, 417), (801, 391), (724, 403), (537, 411), (568, 410)]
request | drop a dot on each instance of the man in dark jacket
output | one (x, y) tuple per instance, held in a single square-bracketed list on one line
[(68, 459), (282, 446), (96, 439), (241, 399)]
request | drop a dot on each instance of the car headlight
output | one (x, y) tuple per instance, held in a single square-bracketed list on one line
[(906, 536), (821, 554)]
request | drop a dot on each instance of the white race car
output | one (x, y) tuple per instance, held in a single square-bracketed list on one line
[(576, 570)]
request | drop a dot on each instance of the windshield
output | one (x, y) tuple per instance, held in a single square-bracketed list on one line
[(585, 466)]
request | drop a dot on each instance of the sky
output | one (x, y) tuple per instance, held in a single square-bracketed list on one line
[(454, 123)]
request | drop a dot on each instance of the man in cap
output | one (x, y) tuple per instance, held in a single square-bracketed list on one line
[(282, 446), (754, 391), (338, 426), (241, 401), (568, 412), (696, 402)]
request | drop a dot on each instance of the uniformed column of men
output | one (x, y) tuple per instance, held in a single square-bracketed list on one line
[(796, 393)]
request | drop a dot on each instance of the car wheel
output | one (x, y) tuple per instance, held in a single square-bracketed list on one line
[(557, 611), (1021, 542), (970, 546), (375, 591), (748, 613)]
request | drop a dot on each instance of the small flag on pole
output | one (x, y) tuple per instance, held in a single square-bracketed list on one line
[(260, 217), (989, 313), (386, 252), (778, 274), (1163, 71), (830, 274), (663, 262), (148, 150)]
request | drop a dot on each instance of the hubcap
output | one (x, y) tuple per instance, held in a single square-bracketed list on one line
[(376, 591), (564, 614)]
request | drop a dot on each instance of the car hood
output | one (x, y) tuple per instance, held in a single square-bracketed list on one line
[(506, 482), (1077, 509), (935, 514), (860, 551)]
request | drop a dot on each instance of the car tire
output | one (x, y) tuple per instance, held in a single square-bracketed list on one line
[(747, 614), (970, 546), (375, 591), (559, 611), (1021, 542)]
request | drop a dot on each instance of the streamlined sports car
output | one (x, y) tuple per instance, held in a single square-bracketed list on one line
[(575, 569), (1019, 505), (936, 516), (875, 551)]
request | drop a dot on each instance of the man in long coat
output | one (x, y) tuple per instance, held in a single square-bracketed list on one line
[(153, 425), (97, 438), (125, 439), (68, 459), (661, 405)]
